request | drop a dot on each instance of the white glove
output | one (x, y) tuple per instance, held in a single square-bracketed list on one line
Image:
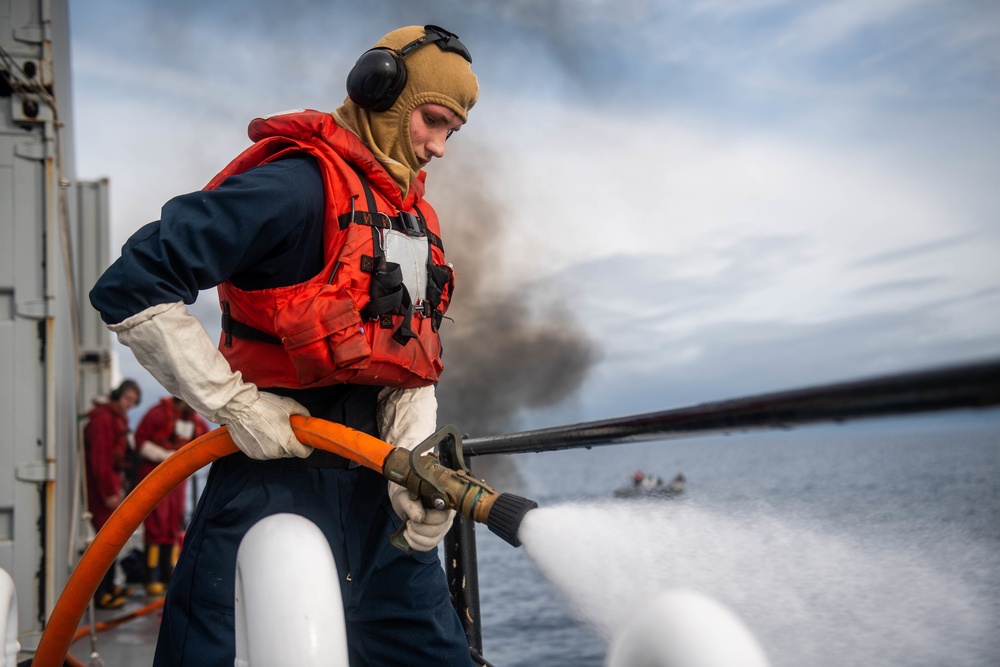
[(151, 451), (263, 430), (407, 417), (172, 345)]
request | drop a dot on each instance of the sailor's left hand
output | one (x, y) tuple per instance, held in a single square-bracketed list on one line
[(405, 418), (425, 528)]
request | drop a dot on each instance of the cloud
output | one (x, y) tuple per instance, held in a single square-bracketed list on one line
[(733, 359), (670, 339), (899, 287), (823, 25), (919, 250)]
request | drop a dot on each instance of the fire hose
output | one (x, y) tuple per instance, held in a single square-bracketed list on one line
[(419, 470)]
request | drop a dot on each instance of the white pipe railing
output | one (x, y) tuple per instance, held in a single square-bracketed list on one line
[(288, 605), (8, 620), (682, 628)]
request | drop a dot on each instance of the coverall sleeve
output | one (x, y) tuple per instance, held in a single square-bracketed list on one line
[(206, 237), (156, 426)]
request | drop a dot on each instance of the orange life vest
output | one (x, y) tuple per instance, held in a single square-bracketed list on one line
[(356, 321)]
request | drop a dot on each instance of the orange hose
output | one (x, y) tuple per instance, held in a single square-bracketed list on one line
[(73, 661), (339, 439), (54, 644), (101, 626)]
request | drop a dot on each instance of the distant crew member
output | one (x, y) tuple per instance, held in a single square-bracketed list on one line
[(168, 426), (106, 449)]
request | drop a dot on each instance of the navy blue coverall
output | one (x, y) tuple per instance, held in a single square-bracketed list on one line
[(264, 229)]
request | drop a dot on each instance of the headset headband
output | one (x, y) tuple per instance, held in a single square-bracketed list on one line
[(379, 75), (446, 40)]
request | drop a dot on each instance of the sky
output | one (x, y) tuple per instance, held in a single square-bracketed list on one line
[(654, 203)]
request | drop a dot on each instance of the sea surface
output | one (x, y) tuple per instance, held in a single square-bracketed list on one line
[(869, 543)]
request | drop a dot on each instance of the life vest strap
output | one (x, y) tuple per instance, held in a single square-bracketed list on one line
[(387, 292), (232, 327), (414, 225), (432, 238)]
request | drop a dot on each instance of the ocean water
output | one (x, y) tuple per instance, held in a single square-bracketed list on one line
[(874, 543)]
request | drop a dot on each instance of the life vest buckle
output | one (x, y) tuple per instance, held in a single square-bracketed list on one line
[(410, 224)]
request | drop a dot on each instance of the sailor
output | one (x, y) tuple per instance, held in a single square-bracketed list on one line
[(165, 428), (106, 450), (678, 483), (651, 482), (333, 285)]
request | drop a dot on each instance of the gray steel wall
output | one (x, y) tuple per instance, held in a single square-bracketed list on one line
[(49, 238)]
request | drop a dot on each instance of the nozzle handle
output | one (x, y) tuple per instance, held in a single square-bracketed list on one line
[(398, 540)]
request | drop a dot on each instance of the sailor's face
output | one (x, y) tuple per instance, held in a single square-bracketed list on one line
[(430, 127), (129, 399)]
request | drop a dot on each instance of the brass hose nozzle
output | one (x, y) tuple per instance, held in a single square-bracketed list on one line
[(440, 487)]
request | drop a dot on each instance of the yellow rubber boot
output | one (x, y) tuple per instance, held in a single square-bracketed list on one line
[(154, 588), (168, 561)]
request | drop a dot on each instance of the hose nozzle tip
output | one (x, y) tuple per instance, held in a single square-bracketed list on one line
[(506, 515)]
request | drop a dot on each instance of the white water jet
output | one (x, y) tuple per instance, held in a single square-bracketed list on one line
[(810, 596)]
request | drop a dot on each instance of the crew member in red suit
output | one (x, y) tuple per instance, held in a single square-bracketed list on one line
[(168, 426), (106, 447)]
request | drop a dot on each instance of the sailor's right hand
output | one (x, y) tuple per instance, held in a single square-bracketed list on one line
[(263, 430), (172, 345)]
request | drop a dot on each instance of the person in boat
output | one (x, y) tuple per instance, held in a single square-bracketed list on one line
[(306, 235), (651, 482), (106, 455), (678, 483), (645, 484), (165, 428)]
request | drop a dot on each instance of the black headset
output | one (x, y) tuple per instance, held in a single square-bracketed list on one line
[(379, 76), (123, 387)]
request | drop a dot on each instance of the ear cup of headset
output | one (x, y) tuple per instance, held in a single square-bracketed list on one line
[(376, 80)]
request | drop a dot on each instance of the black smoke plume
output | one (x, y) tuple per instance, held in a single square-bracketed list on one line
[(505, 353)]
